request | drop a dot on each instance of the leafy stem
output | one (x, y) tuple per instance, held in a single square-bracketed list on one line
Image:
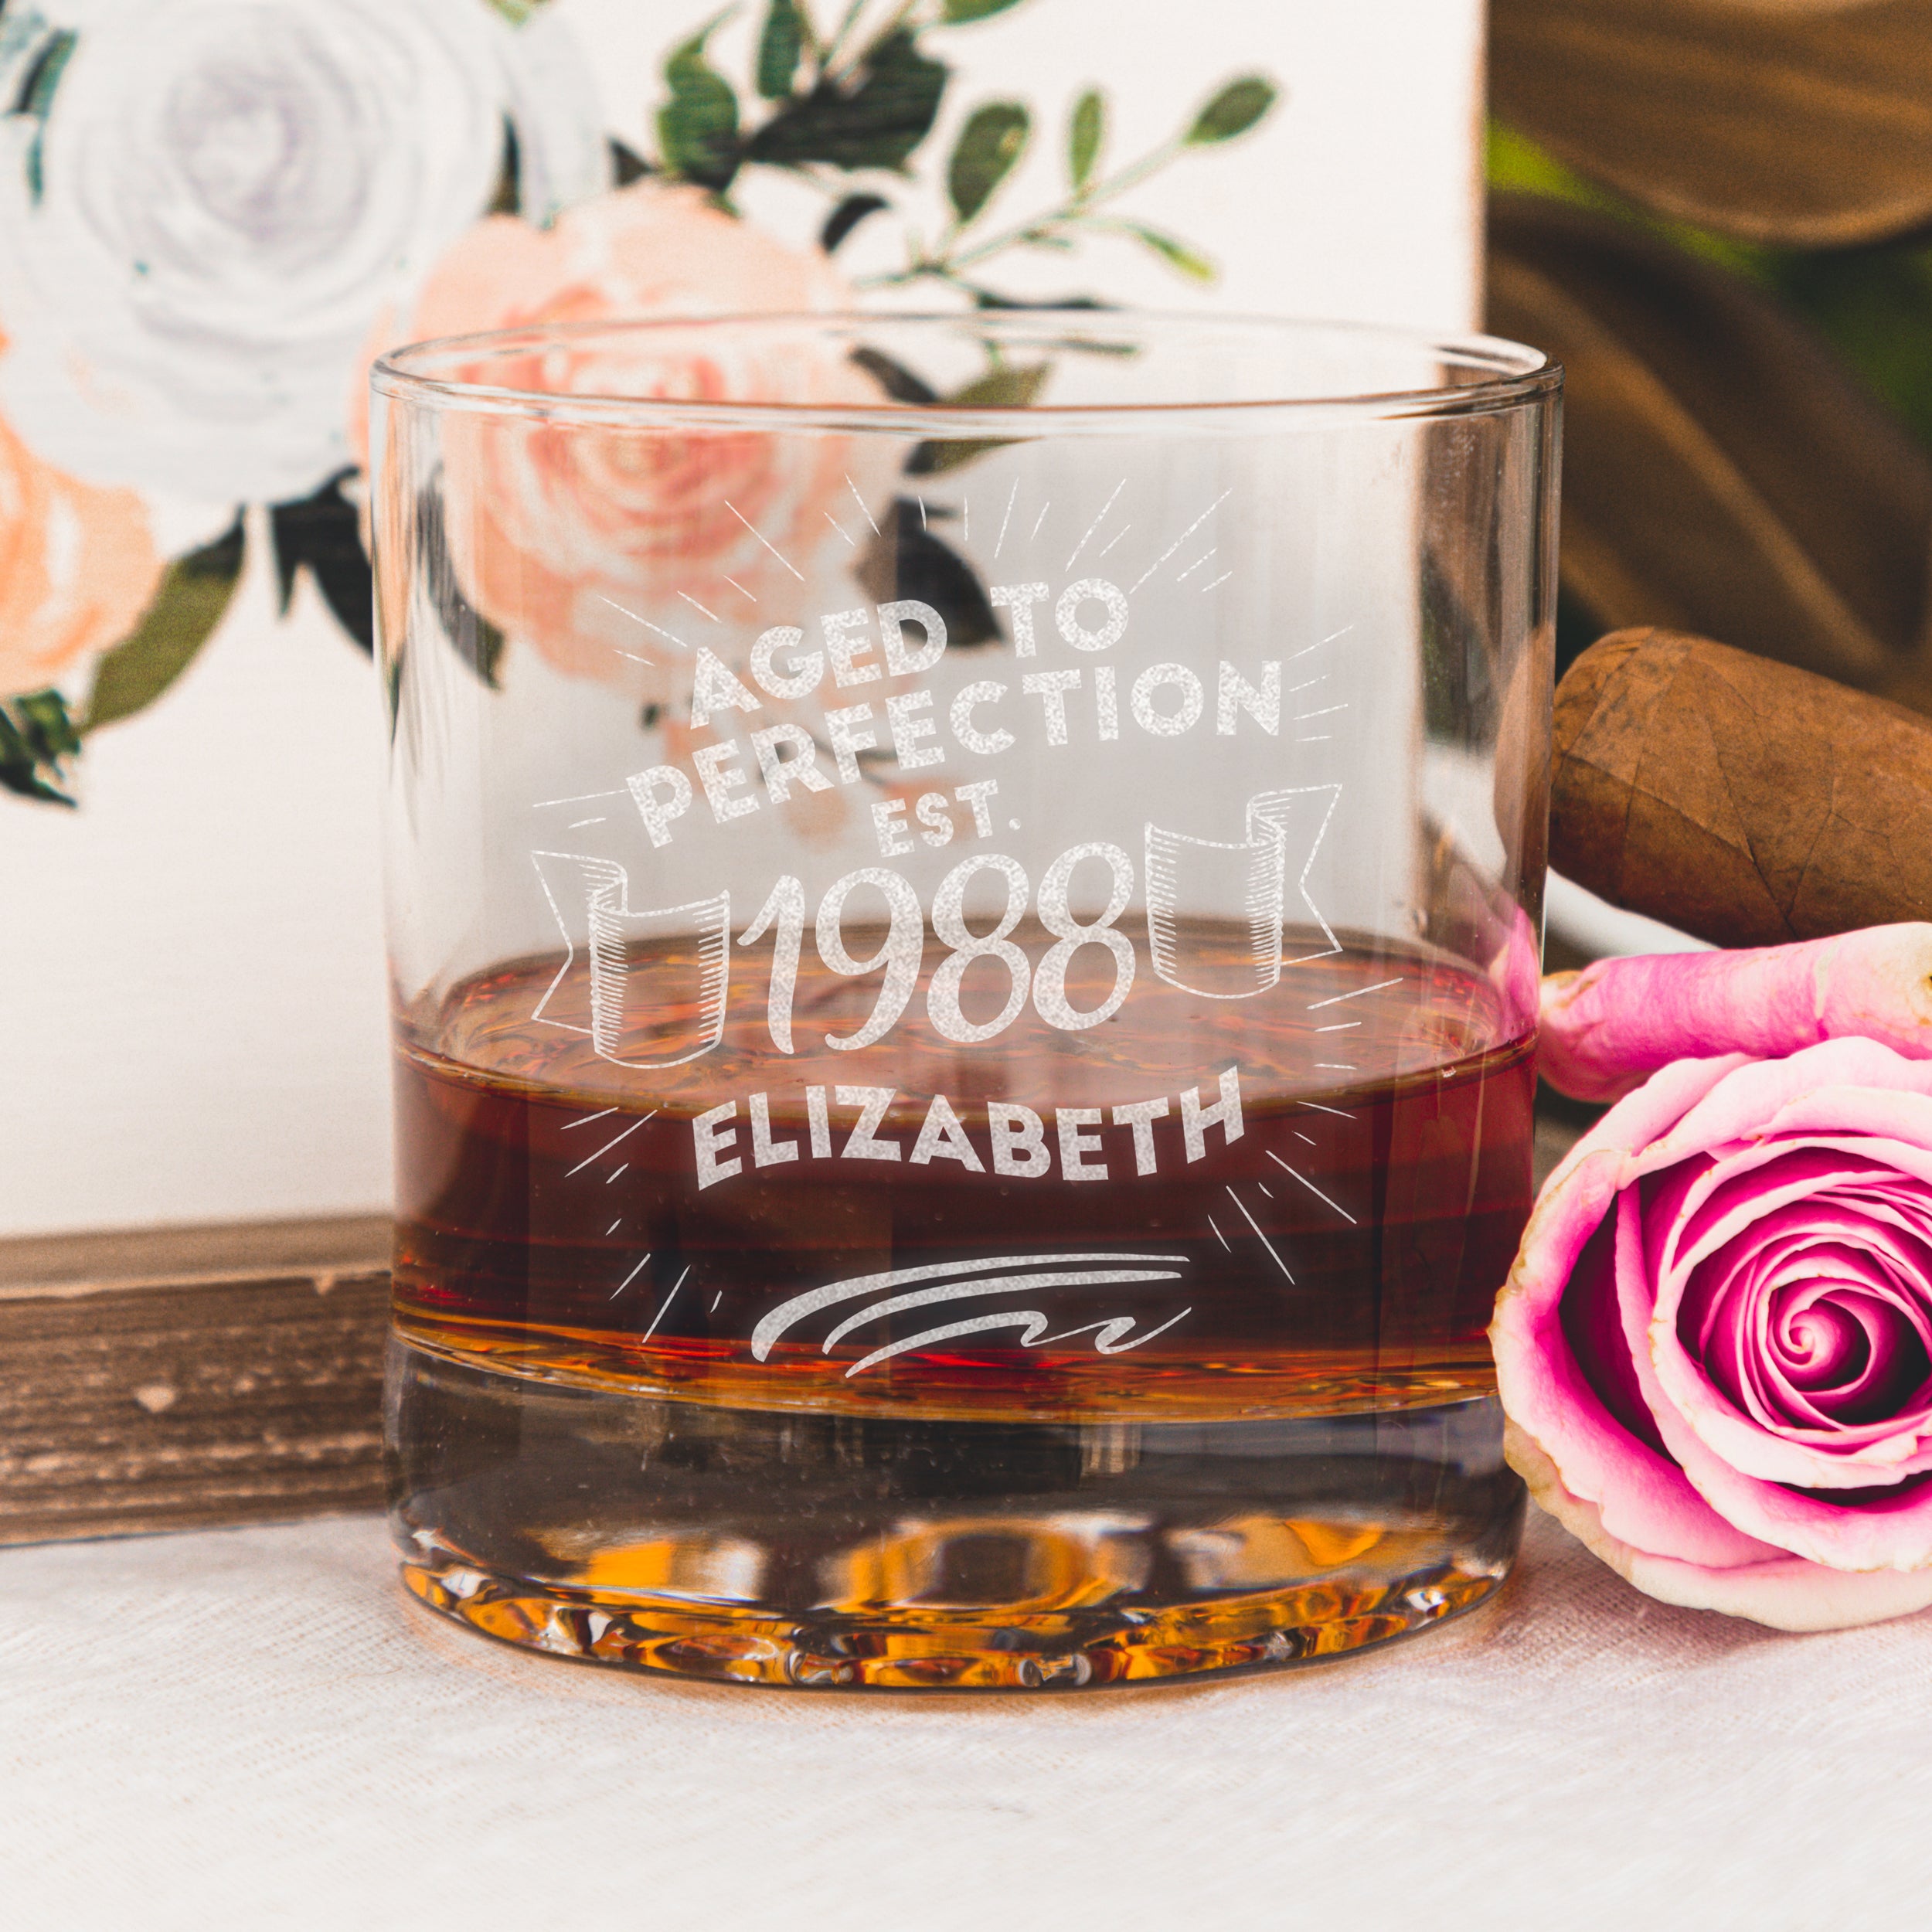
[(990, 145), (835, 64), (826, 57), (865, 98), (1078, 210)]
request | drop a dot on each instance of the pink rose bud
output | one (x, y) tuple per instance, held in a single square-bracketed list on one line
[(1605, 1029), (1714, 1348)]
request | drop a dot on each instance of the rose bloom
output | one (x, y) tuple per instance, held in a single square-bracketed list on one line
[(611, 551), (1715, 1347), (77, 567), (225, 194)]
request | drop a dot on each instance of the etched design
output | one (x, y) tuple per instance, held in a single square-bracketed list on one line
[(1114, 1334), (1252, 875), (590, 900)]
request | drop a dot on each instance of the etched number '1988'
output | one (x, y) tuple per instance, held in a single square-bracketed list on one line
[(898, 955)]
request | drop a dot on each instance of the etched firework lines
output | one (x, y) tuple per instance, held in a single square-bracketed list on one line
[(644, 1260), (664, 1307), (1187, 569)]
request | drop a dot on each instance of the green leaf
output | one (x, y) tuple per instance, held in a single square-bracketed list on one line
[(847, 216), (1085, 133), (193, 595), (992, 298), (906, 561), (991, 142), (697, 126), (36, 737), (1010, 388), (472, 636), (323, 535), (960, 13), (1237, 108), (877, 124), (932, 459), (45, 715), (779, 46), (998, 389), (627, 164), (35, 99), (1176, 254), (508, 197), (894, 378)]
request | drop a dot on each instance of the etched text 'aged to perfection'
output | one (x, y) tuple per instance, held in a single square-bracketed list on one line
[(862, 646)]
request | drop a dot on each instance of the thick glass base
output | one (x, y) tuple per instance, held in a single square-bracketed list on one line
[(822, 1550)]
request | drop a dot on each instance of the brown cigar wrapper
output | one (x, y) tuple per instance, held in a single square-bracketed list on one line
[(1736, 799)]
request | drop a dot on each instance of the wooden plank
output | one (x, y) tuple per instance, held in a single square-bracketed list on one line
[(183, 1378)]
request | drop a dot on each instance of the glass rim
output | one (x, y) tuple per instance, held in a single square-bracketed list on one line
[(1517, 375)]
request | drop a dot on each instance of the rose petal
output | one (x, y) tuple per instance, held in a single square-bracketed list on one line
[(1845, 1086), (1713, 1206), (1546, 1389), (1606, 1027), (1640, 1122), (1832, 1340), (1804, 1334), (579, 545), (1891, 1531), (1713, 1209), (1785, 1593)]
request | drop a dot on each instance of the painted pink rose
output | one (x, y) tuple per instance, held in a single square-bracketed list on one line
[(77, 568), (1715, 1349), (600, 546)]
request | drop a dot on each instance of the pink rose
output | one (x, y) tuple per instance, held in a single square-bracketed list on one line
[(592, 545), (1714, 1348), (77, 567)]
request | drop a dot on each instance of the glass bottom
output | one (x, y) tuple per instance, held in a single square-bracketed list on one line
[(867, 1552)]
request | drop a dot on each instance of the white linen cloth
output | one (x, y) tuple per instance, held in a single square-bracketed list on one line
[(257, 1728)]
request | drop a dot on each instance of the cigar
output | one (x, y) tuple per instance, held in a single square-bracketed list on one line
[(1736, 799)]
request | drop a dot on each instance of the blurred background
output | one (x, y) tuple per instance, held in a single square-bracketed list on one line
[(1713, 212)]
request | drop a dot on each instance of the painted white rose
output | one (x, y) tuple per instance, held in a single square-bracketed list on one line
[(208, 202)]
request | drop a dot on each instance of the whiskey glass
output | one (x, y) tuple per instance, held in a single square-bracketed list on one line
[(964, 899)]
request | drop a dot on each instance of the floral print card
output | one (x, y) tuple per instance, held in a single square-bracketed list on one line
[(213, 213)]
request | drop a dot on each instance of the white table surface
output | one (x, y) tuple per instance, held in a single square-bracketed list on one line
[(255, 1728)]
